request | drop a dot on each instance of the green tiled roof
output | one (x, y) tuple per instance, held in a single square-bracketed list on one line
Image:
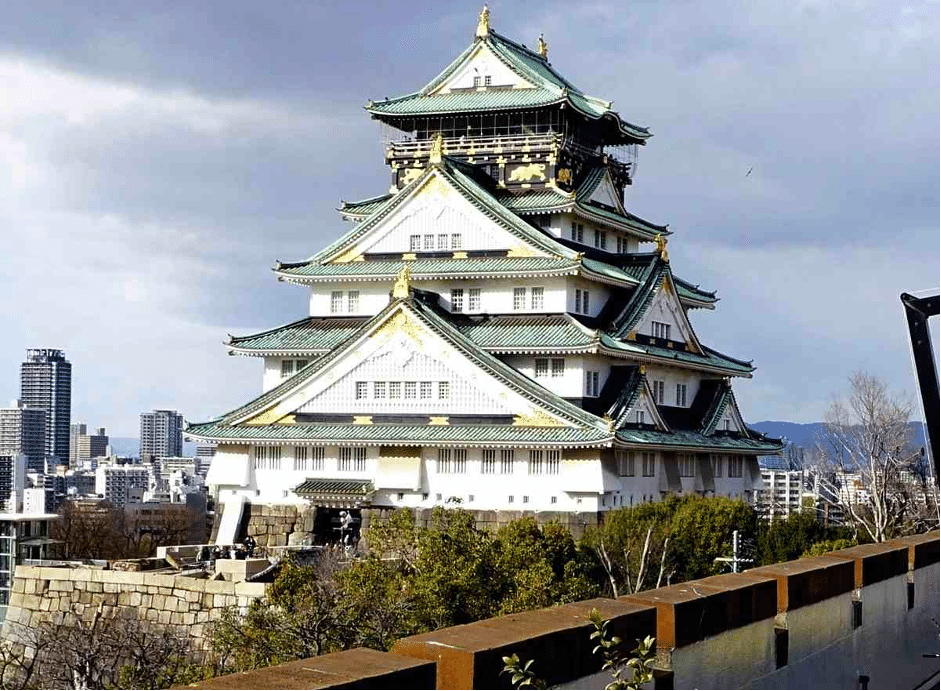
[(587, 426), (696, 440), (335, 489), (550, 89), (628, 396), (710, 358), (526, 332), (433, 268), (417, 435), (364, 207), (305, 335), (641, 299)]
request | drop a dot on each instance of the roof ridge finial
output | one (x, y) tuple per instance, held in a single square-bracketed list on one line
[(542, 47), (401, 288), (662, 247), (437, 149), (483, 23)]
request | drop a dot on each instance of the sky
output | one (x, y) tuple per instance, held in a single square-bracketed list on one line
[(157, 158)]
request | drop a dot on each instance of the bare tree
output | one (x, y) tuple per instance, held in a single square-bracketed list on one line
[(867, 442)]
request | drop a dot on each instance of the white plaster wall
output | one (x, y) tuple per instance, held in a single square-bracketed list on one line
[(572, 383), (598, 294), (666, 309), (483, 62), (671, 376), (373, 298)]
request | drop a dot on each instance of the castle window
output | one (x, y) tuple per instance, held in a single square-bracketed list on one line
[(361, 390), (379, 389), (507, 458), (300, 458), (443, 464), (601, 239), (658, 391), (625, 462), (414, 243), (287, 368), (536, 296), (660, 330), (336, 302), (553, 459), (687, 464), (473, 300), (395, 389), (488, 462), (542, 367), (301, 364), (736, 466), (488, 80), (650, 464), (716, 465), (581, 301), (444, 390), (640, 417), (558, 367), (535, 462), (352, 301), (352, 459), (478, 81), (425, 389), (317, 454), (429, 243), (456, 241), (578, 232), (443, 241), (410, 389), (519, 299), (457, 299), (591, 383), (681, 394)]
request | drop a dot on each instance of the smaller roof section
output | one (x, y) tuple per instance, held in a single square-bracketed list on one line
[(336, 493), (519, 78)]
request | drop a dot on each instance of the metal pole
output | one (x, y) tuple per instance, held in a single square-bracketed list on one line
[(917, 310)]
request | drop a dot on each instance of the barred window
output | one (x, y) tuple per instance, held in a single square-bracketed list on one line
[(553, 461), (317, 454), (536, 298), (535, 462), (444, 390), (336, 302), (410, 388), (459, 459), (456, 242), (716, 465), (395, 389), (488, 462), (519, 299), (507, 458), (362, 390), (681, 394), (687, 464), (287, 368), (266, 457), (300, 458), (473, 300), (442, 241), (301, 364), (640, 417), (414, 243), (591, 383), (457, 299), (660, 330), (658, 391), (542, 367), (352, 301), (425, 389), (352, 459), (379, 389), (650, 463), (736, 466), (443, 464), (429, 243)]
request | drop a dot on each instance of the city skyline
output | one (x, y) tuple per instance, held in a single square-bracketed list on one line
[(173, 176)]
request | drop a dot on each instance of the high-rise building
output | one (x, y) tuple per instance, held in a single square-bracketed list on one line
[(497, 329), (83, 446), (12, 482), (23, 430), (161, 434), (46, 383), (121, 484)]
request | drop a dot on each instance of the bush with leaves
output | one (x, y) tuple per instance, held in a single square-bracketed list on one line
[(824, 546)]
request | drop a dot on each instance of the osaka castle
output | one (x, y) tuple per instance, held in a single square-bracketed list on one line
[(497, 329)]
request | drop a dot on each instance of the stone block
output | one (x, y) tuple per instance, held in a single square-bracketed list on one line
[(182, 605), (159, 601), (84, 597), (165, 591), (95, 587), (189, 618), (193, 596), (110, 587), (170, 603), (164, 617), (146, 600), (176, 618), (135, 599)]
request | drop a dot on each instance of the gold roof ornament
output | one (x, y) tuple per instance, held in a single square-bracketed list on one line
[(542, 47), (437, 149), (483, 23), (401, 287), (609, 422), (662, 247)]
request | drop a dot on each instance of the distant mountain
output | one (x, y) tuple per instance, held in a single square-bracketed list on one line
[(130, 446), (806, 434)]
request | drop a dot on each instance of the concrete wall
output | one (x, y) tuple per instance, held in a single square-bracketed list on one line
[(61, 594)]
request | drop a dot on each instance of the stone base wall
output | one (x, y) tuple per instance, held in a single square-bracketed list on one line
[(278, 525), (576, 523), (63, 595)]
